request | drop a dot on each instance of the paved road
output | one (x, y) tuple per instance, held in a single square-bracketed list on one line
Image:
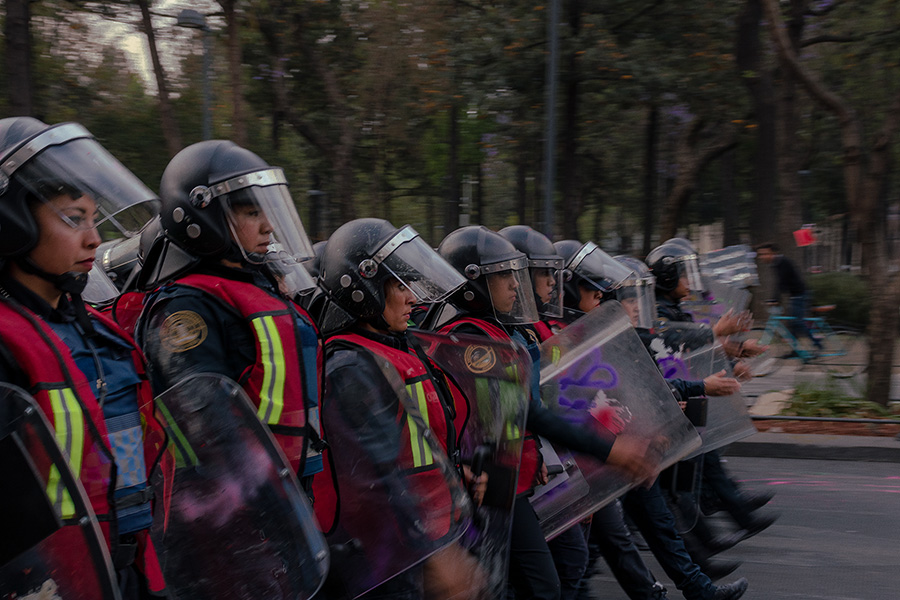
[(838, 537)]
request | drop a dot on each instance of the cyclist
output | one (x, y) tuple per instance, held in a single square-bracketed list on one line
[(790, 282)]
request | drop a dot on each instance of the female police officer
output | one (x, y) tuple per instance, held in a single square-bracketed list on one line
[(497, 301), (372, 274), (226, 307), (58, 187)]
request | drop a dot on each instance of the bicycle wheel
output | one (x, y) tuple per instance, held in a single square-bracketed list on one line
[(772, 359), (844, 354)]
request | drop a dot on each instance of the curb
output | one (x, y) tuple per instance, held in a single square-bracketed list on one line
[(817, 447)]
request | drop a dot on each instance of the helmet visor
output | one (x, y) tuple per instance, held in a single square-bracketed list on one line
[(597, 268), (100, 288), (512, 296), (689, 267), (547, 279), (637, 295), (418, 266), (266, 227), (65, 160)]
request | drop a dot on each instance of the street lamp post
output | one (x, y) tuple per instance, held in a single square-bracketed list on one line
[(192, 19)]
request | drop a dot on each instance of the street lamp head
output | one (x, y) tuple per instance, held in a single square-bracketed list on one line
[(192, 19)]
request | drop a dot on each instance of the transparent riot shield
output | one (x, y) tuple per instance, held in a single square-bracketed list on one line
[(45, 553), (727, 419), (734, 265), (229, 518), (717, 299), (597, 373), (489, 380), (400, 501)]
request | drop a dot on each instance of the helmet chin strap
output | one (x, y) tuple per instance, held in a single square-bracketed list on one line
[(68, 283), (379, 323)]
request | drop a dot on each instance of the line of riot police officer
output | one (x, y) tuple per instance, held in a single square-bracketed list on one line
[(417, 451)]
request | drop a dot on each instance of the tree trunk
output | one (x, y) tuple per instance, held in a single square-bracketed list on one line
[(730, 212), (522, 161), (790, 214), (18, 58), (882, 337), (452, 191), (651, 155), (759, 85), (571, 184), (238, 118), (166, 114), (691, 160)]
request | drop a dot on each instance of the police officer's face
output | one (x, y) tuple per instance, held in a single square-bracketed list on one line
[(68, 237), (589, 299), (632, 309), (544, 282), (251, 228), (682, 289), (398, 303), (502, 287)]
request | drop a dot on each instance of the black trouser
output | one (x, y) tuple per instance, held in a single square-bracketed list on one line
[(610, 533), (723, 486), (650, 512), (570, 555), (532, 573)]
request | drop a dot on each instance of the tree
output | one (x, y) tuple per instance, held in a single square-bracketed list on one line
[(167, 117), (17, 29), (865, 170)]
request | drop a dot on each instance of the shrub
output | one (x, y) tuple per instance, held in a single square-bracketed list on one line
[(847, 291), (828, 400)]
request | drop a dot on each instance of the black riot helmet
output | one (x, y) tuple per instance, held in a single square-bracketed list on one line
[(40, 162), (497, 279), (673, 260), (638, 292), (54, 165), (206, 190), (362, 255), (546, 267), (588, 267)]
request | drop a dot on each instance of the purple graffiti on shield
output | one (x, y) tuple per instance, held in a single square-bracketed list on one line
[(590, 373), (672, 368)]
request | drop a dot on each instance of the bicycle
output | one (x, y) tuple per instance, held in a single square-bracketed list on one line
[(843, 352)]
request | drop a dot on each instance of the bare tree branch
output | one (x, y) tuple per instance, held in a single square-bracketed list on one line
[(821, 12), (634, 16), (831, 39)]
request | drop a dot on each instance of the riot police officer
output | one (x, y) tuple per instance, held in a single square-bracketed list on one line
[(372, 274), (606, 280), (497, 301), (227, 305), (58, 190)]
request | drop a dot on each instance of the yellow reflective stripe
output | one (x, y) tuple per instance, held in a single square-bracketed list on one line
[(421, 450), (415, 439), (271, 393), (68, 428)]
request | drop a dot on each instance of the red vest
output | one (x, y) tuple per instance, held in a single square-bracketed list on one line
[(275, 381), (543, 330), (126, 309), (67, 400), (531, 455), (416, 458)]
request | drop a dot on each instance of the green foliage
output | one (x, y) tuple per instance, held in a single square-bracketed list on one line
[(377, 78), (828, 400), (847, 291)]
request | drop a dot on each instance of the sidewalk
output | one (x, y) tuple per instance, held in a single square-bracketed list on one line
[(811, 446)]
